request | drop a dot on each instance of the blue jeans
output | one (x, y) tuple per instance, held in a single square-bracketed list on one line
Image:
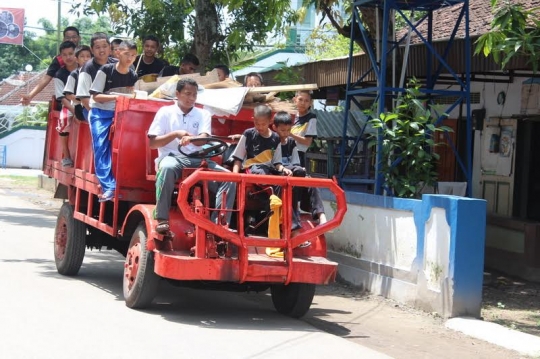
[(100, 126)]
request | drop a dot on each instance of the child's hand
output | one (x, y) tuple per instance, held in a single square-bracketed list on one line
[(287, 172), (235, 138)]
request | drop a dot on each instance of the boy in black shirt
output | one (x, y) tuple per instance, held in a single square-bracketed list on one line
[(291, 161), (71, 33), (101, 49), (188, 65), (147, 63), (108, 77), (258, 151), (83, 54)]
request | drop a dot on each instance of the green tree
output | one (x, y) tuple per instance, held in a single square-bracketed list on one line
[(38, 51), (515, 31), (408, 162), (32, 116), (214, 30), (325, 43)]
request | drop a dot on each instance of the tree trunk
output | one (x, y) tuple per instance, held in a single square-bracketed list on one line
[(206, 32)]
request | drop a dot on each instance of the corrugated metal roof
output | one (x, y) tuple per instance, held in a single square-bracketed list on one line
[(330, 124), (334, 72)]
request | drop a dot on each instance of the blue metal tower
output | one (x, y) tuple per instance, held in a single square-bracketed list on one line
[(380, 52)]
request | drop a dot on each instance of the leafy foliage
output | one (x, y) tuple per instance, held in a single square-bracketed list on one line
[(514, 31), (14, 58), (288, 75), (32, 116), (214, 30), (325, 43), (408, 160)]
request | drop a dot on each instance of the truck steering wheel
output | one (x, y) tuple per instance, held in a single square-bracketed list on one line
[(213, 147)]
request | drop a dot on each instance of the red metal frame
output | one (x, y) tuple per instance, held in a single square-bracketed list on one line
[(190, 253)]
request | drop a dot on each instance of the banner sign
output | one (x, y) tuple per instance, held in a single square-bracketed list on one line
[(11, 26)]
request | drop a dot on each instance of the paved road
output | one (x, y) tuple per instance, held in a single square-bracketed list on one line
[(45, 315)]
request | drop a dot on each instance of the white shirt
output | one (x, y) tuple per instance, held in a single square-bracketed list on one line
[(171, 118)]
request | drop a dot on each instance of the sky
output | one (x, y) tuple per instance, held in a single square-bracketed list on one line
[(37, 9)]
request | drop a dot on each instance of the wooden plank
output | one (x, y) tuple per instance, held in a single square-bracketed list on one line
[(281, 88)]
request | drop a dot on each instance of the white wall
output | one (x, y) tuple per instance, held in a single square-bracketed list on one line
[(25, 148), (379, 235), (427, 253), (488, 98)]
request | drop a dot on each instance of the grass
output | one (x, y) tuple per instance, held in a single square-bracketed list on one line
[(19, 181)]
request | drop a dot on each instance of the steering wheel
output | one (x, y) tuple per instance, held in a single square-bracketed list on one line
[(213, 147)]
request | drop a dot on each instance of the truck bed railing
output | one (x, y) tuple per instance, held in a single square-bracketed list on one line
[(239, 238)]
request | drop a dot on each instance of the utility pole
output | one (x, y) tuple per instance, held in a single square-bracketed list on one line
[(59, 25)]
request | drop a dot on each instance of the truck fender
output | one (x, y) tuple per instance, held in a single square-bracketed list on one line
[(138, 213)]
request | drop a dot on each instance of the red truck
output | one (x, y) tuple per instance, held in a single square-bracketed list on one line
[(197, 252)]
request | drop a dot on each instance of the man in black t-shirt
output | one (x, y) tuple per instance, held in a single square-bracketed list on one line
[(188, 65), (101, 48), (148, 63), (71, 33)]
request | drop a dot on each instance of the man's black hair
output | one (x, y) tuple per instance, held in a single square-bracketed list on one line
[(82, 48), (190, 59), (225, 69), (117, 41), (253, 74), (128, 44), (99, 36), (150, 38), (183, 82), (282, 118), (262, 111), (67, 45), (71, 28)]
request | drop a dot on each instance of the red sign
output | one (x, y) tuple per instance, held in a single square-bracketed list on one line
[(11, 26)]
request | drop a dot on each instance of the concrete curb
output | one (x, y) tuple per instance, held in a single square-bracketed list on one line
[(525, 344)]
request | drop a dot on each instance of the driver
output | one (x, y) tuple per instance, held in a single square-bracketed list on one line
[(176, 125)]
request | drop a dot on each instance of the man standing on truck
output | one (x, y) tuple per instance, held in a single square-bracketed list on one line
[(176, 125), (71, 33)]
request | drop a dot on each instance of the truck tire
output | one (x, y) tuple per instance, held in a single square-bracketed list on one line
[(140, 280), (294, 299), (69, 242)]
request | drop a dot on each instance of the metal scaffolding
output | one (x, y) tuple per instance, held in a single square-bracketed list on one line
[(381, 51)]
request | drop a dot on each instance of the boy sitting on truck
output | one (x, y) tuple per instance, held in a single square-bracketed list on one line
[(291, 161), (110, 76), (176, 125), (67, 53), (259, 151), (304, 129)]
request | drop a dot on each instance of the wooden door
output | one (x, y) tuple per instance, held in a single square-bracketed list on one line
[(446, 167)]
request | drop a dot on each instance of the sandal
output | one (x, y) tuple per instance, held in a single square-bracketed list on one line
[(163, 227)]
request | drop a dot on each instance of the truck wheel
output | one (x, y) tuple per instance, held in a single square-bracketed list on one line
[(294, 299), (140, 280), (69, 242)]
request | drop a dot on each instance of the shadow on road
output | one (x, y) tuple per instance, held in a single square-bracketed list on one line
[(198, 307), (27, 217)]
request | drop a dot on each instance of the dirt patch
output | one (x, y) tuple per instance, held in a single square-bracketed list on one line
[(511, 302), (27, 187)]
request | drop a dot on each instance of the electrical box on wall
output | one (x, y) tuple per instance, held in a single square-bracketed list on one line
[(478, 118)]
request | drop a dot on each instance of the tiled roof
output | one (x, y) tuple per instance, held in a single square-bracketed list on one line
[(480, 17), (12, 88)]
